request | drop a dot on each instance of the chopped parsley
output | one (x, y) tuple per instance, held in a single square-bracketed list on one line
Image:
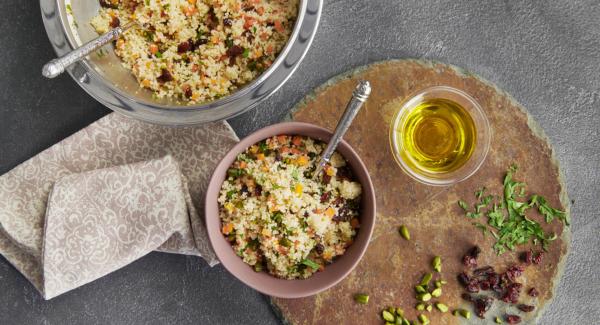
[(513, 227), (310, 263)]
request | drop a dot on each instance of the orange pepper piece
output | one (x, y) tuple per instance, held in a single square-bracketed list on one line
[(227, 229)]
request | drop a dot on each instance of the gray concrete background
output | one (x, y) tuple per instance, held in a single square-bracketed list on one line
[(545, 53)]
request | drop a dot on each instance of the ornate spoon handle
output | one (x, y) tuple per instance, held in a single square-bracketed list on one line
[(359, 96), (58, 65)]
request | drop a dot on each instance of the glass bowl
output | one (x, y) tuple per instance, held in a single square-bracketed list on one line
[(105, 79), (482, 136)]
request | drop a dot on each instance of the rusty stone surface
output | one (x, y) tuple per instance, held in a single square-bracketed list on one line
[(392, 266)]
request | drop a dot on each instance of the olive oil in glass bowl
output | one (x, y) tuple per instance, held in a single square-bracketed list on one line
[(440, 136)]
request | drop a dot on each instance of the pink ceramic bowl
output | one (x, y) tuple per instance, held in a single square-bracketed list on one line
[(262, 281)]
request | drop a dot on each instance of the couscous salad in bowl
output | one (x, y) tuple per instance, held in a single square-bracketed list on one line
[(279, 229)]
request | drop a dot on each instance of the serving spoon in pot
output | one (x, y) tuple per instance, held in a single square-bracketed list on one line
[(58, 65), (359, 96)]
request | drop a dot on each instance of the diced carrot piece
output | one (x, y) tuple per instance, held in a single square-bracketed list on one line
[(248, 22), (330, 212), (146, 83), (297, 140), (282, 139), (295, 151), (243, 164), (279, 26), (153, 48), (354, 223), (227, 228), (269, 49)]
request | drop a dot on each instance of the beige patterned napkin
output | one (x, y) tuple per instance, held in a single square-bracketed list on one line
[(107, 195)]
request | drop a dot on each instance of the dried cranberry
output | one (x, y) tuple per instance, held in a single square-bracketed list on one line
[(249, 36), (165, 76), (464, 279), (188, 92), (344, 214), (109, 4), (227, 22), (513, 319), (184, 47), (473, 286), (234, 51), (514, 272), (319, 249), (244, 188), (493, 279), (467, 297), (537, 260), (257, 190), (533, 292), (278, 156), (512, 293), (482, 305), (526, 308), (485, 285), (483, 271), (326, 179), (339, 201), (115, 22), (469, 261), (527, 257)]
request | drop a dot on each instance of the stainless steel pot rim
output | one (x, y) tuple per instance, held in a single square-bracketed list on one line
[(56, 24)]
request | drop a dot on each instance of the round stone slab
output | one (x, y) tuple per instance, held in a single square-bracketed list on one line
[(392, 266)]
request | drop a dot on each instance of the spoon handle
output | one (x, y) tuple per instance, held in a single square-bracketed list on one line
[(359, 96), (58, 65)]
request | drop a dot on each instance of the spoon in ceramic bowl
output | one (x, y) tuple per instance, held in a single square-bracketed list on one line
[(58, 65), (359, 96)]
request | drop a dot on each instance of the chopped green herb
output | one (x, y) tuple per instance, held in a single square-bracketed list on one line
[(262, 146), (479, 193), (69, 9), (547, 211), (515, 228), (310, 263), (277, 216), (235, 172), (254, 29), (229, 42), (230, 194), (285, 242), (463, 205), (158, 55), (246, 53)]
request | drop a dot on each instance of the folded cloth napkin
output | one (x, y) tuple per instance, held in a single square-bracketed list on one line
[(106, 196)]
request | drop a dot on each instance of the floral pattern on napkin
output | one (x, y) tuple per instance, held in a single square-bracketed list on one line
[(111, 141)]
